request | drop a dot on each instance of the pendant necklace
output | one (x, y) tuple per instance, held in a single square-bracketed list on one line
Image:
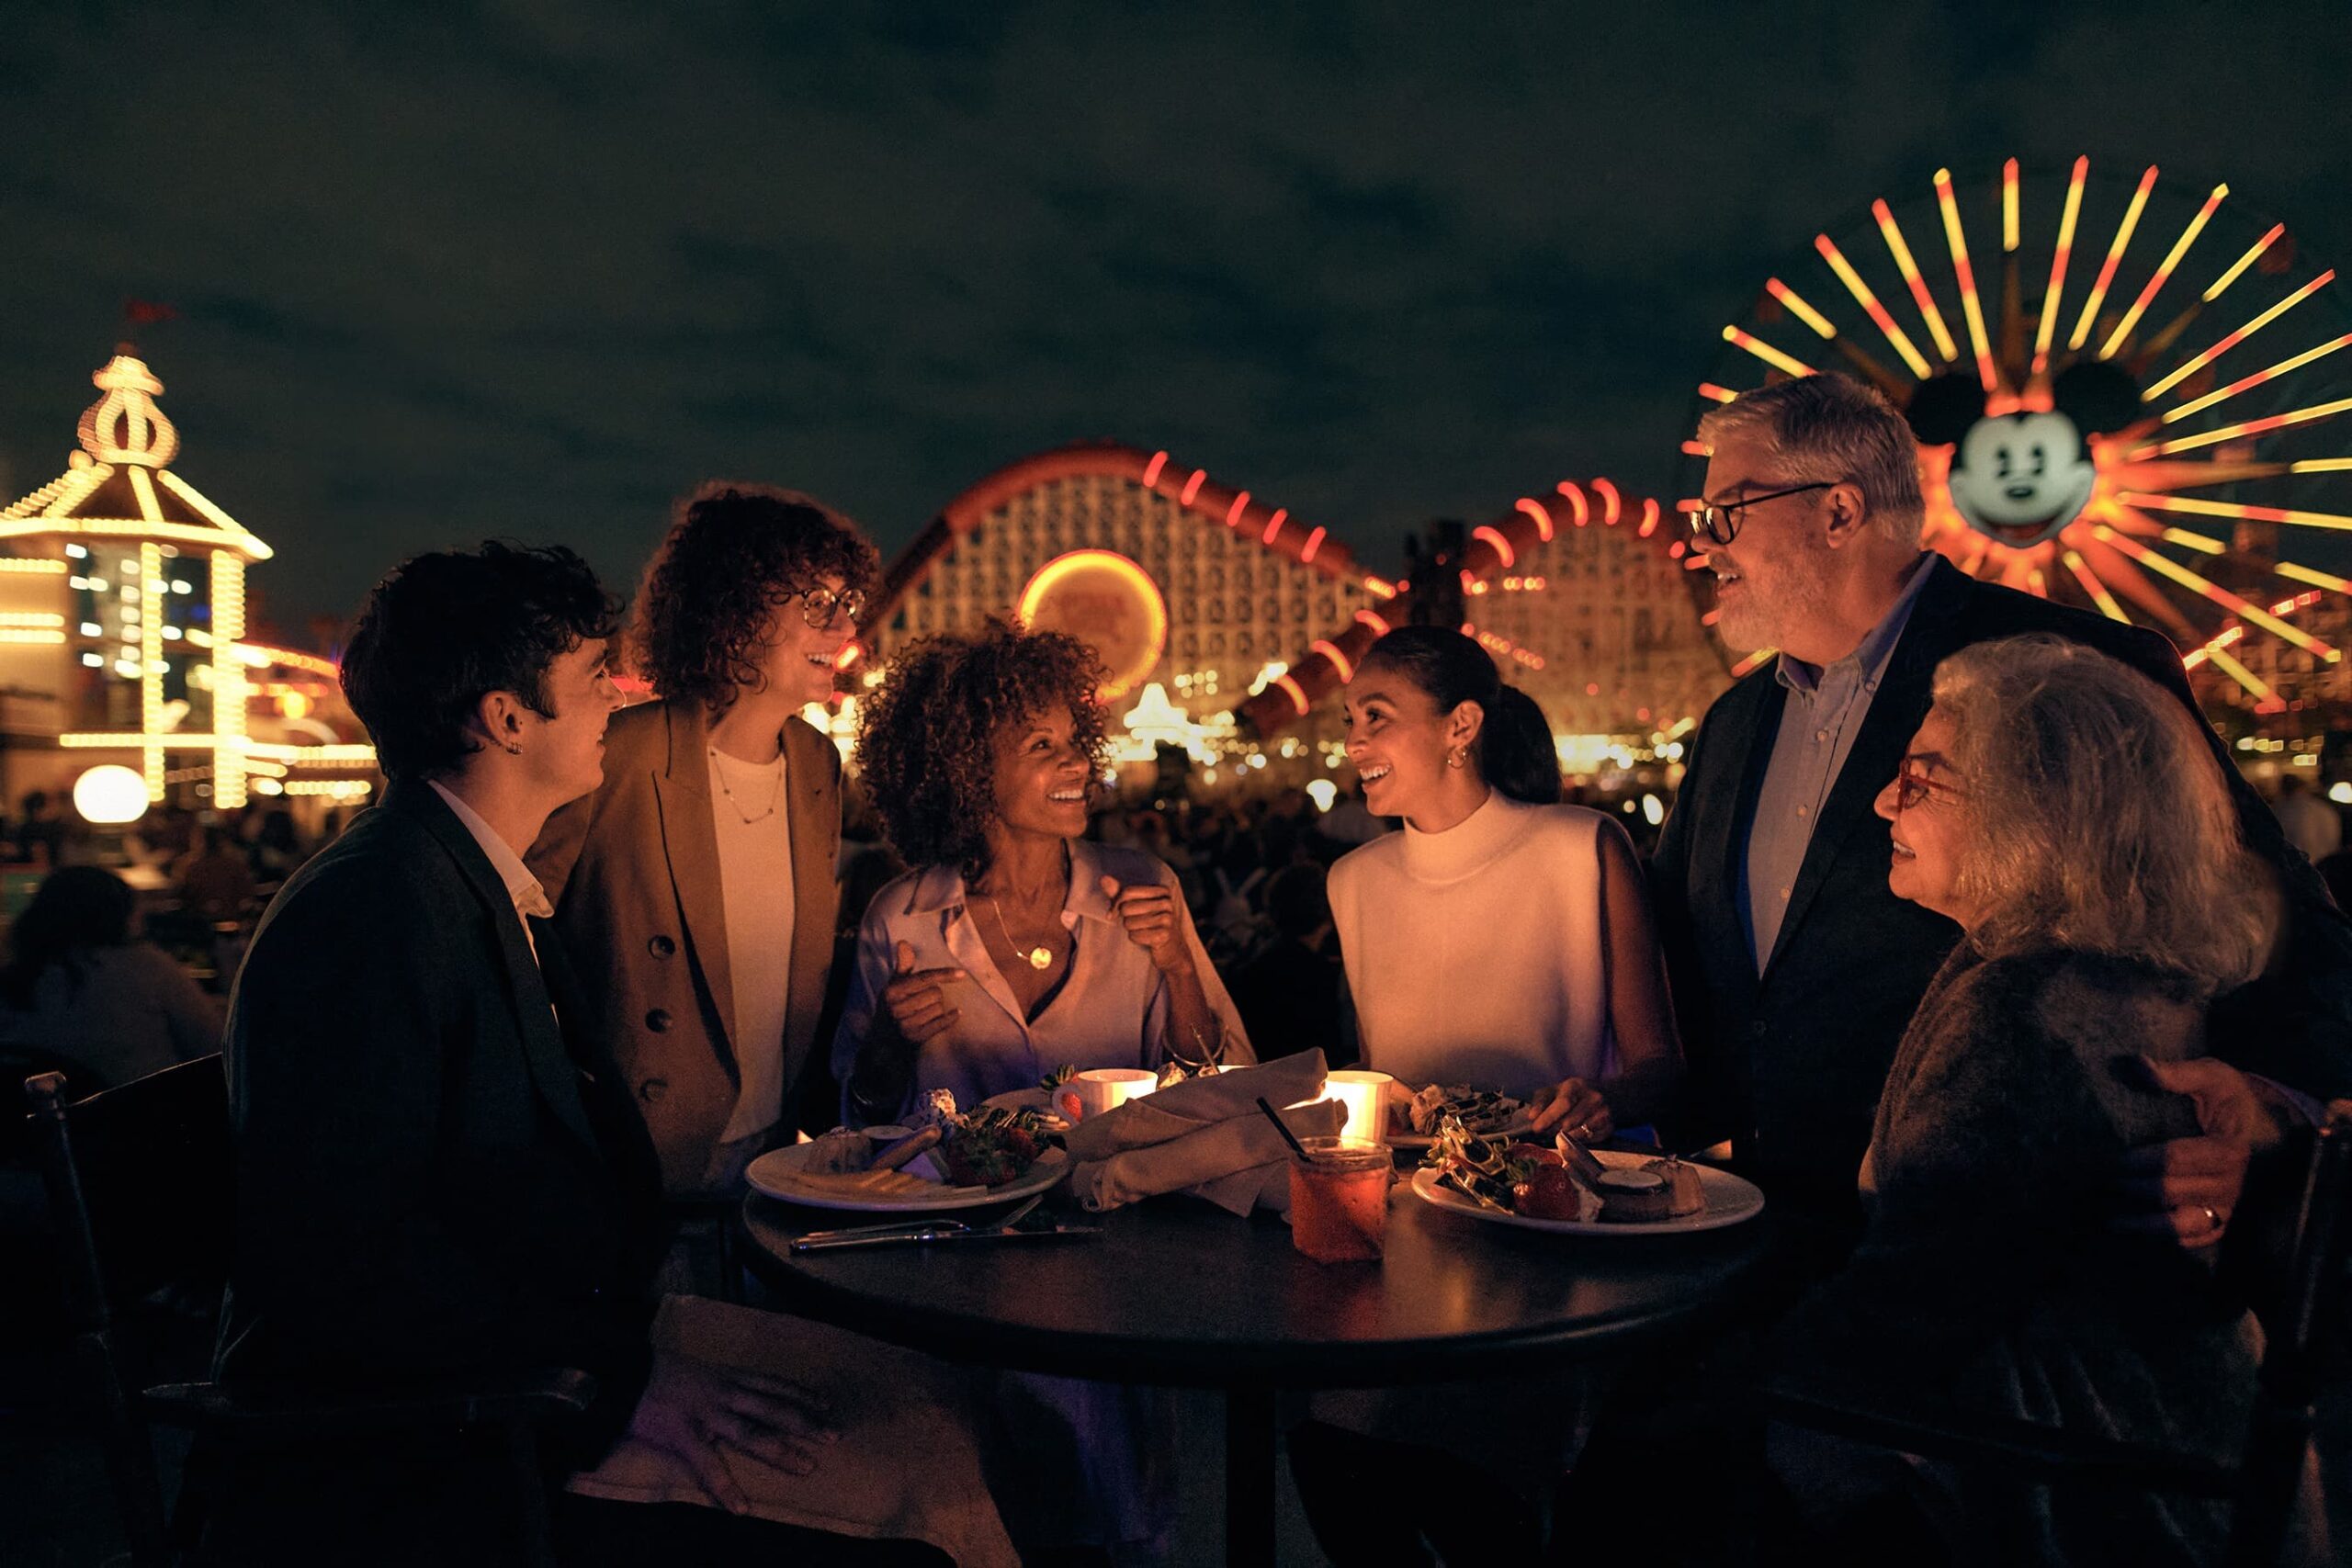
[(1039, 957), (776, 795)]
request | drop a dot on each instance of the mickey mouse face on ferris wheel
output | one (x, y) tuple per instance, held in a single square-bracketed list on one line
[(2019, 478)]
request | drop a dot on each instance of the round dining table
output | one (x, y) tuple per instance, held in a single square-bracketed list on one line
[(1176, 1292)]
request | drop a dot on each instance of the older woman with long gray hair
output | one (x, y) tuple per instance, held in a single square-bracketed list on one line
[(2066, 814)]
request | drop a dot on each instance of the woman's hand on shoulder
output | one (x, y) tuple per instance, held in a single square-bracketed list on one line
[(1146, 911)]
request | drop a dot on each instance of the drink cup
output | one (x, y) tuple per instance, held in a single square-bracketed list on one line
[(1339, 1199)]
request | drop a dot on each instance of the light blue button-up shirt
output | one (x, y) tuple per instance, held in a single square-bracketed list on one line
[(1820, 719)]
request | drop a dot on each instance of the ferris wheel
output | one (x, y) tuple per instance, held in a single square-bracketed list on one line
[(2126, 393)]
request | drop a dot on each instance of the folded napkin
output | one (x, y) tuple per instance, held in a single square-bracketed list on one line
[(907, 1466), (1204, 1135)]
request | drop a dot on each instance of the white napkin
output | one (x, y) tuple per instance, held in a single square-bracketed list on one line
[(1204, 1135)]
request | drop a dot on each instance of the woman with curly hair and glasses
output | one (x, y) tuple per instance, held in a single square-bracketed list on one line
[(1015, 946), (696, 886)]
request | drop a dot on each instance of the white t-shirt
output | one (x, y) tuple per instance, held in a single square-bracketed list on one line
[(755, 886)]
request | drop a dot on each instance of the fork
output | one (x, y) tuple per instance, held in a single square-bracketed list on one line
[(938, 1227)]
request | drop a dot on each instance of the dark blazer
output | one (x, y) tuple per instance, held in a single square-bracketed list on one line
[(633, 871), (1789, 1063), (432, 1177)]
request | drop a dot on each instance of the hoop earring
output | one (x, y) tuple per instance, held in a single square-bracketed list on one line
[(513, 750), (1456, 761)]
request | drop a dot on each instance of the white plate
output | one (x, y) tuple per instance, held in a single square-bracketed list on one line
[(773, 1173), (1730, 1201)]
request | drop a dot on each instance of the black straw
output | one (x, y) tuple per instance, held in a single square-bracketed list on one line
[(1288, 1137)]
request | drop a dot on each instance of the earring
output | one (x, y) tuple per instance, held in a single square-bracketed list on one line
[(514, 750), (1456, 761)]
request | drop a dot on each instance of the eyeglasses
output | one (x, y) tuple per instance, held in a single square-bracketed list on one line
[(1913, 786), (819, 606), (1720, 525)]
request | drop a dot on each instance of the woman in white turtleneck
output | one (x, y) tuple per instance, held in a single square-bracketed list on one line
[(1502, 940)]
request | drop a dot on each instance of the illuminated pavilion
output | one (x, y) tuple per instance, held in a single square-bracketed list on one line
[(123, 629)]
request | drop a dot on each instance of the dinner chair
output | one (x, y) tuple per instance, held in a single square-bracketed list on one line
[(141, 1187), (2301, 1324)]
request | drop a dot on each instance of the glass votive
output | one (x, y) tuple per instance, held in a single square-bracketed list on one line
[(1339, 1199), (1365, 1094)]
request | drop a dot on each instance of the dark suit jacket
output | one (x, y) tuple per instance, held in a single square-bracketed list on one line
[(633, 871), (1788, 1065), (432, 1178)]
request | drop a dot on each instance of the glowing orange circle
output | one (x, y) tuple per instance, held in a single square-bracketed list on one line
[(1108, 603)]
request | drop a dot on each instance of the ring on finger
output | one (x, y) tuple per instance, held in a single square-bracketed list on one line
[(2212, 1218)]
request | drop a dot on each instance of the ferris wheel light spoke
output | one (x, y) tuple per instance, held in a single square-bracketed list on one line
[(1869, 302), (1713, 393), (2122, 574), (2301, 519), (1797, 308), (1751, 661), (2123, 230), (2009, 206), (2214, 590), (1969, 303), (2297, 572), (2257, 379), (1767, 352), (2321, 465), (2252, 683), (1901, 250), (2200, 543), (2093, 586), (2066, 222), (2250, 427), (2190, 367), (2237, 268), (2164, 273)]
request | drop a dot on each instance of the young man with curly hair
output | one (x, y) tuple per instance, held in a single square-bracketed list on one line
[(696, 886)]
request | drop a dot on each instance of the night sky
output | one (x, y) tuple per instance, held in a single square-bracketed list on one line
[(530, 269)]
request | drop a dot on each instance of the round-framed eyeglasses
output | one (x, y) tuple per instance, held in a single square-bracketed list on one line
[(820, 606), (1913, 786), (1720, 525)]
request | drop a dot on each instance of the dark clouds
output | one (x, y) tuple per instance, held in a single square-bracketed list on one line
[(531, 268)]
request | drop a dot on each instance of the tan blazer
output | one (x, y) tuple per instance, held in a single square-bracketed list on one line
[(633, 872)]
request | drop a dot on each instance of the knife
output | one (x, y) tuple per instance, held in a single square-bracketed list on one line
[(1039, 1233)]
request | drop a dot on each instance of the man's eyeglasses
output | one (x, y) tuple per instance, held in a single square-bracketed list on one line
[(819, 605), (1913, 786), (1720, 525)]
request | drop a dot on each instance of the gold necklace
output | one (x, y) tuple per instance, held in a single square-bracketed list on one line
[(1039, 957), (776, 795)]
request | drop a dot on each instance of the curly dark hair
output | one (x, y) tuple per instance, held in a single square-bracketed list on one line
[(442, 631), (734, 552), (927, 736)]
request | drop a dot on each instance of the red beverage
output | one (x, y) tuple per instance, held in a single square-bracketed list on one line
[(1339, 1199)]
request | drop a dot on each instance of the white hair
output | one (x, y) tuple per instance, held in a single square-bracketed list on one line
[(2097, 819)]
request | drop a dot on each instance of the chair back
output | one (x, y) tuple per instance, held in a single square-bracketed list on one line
[(139, 1182)]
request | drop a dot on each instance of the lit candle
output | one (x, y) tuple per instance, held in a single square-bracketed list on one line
[(1365, 1094)]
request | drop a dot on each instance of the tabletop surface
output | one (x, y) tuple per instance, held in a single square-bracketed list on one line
[(1177, 1291)]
